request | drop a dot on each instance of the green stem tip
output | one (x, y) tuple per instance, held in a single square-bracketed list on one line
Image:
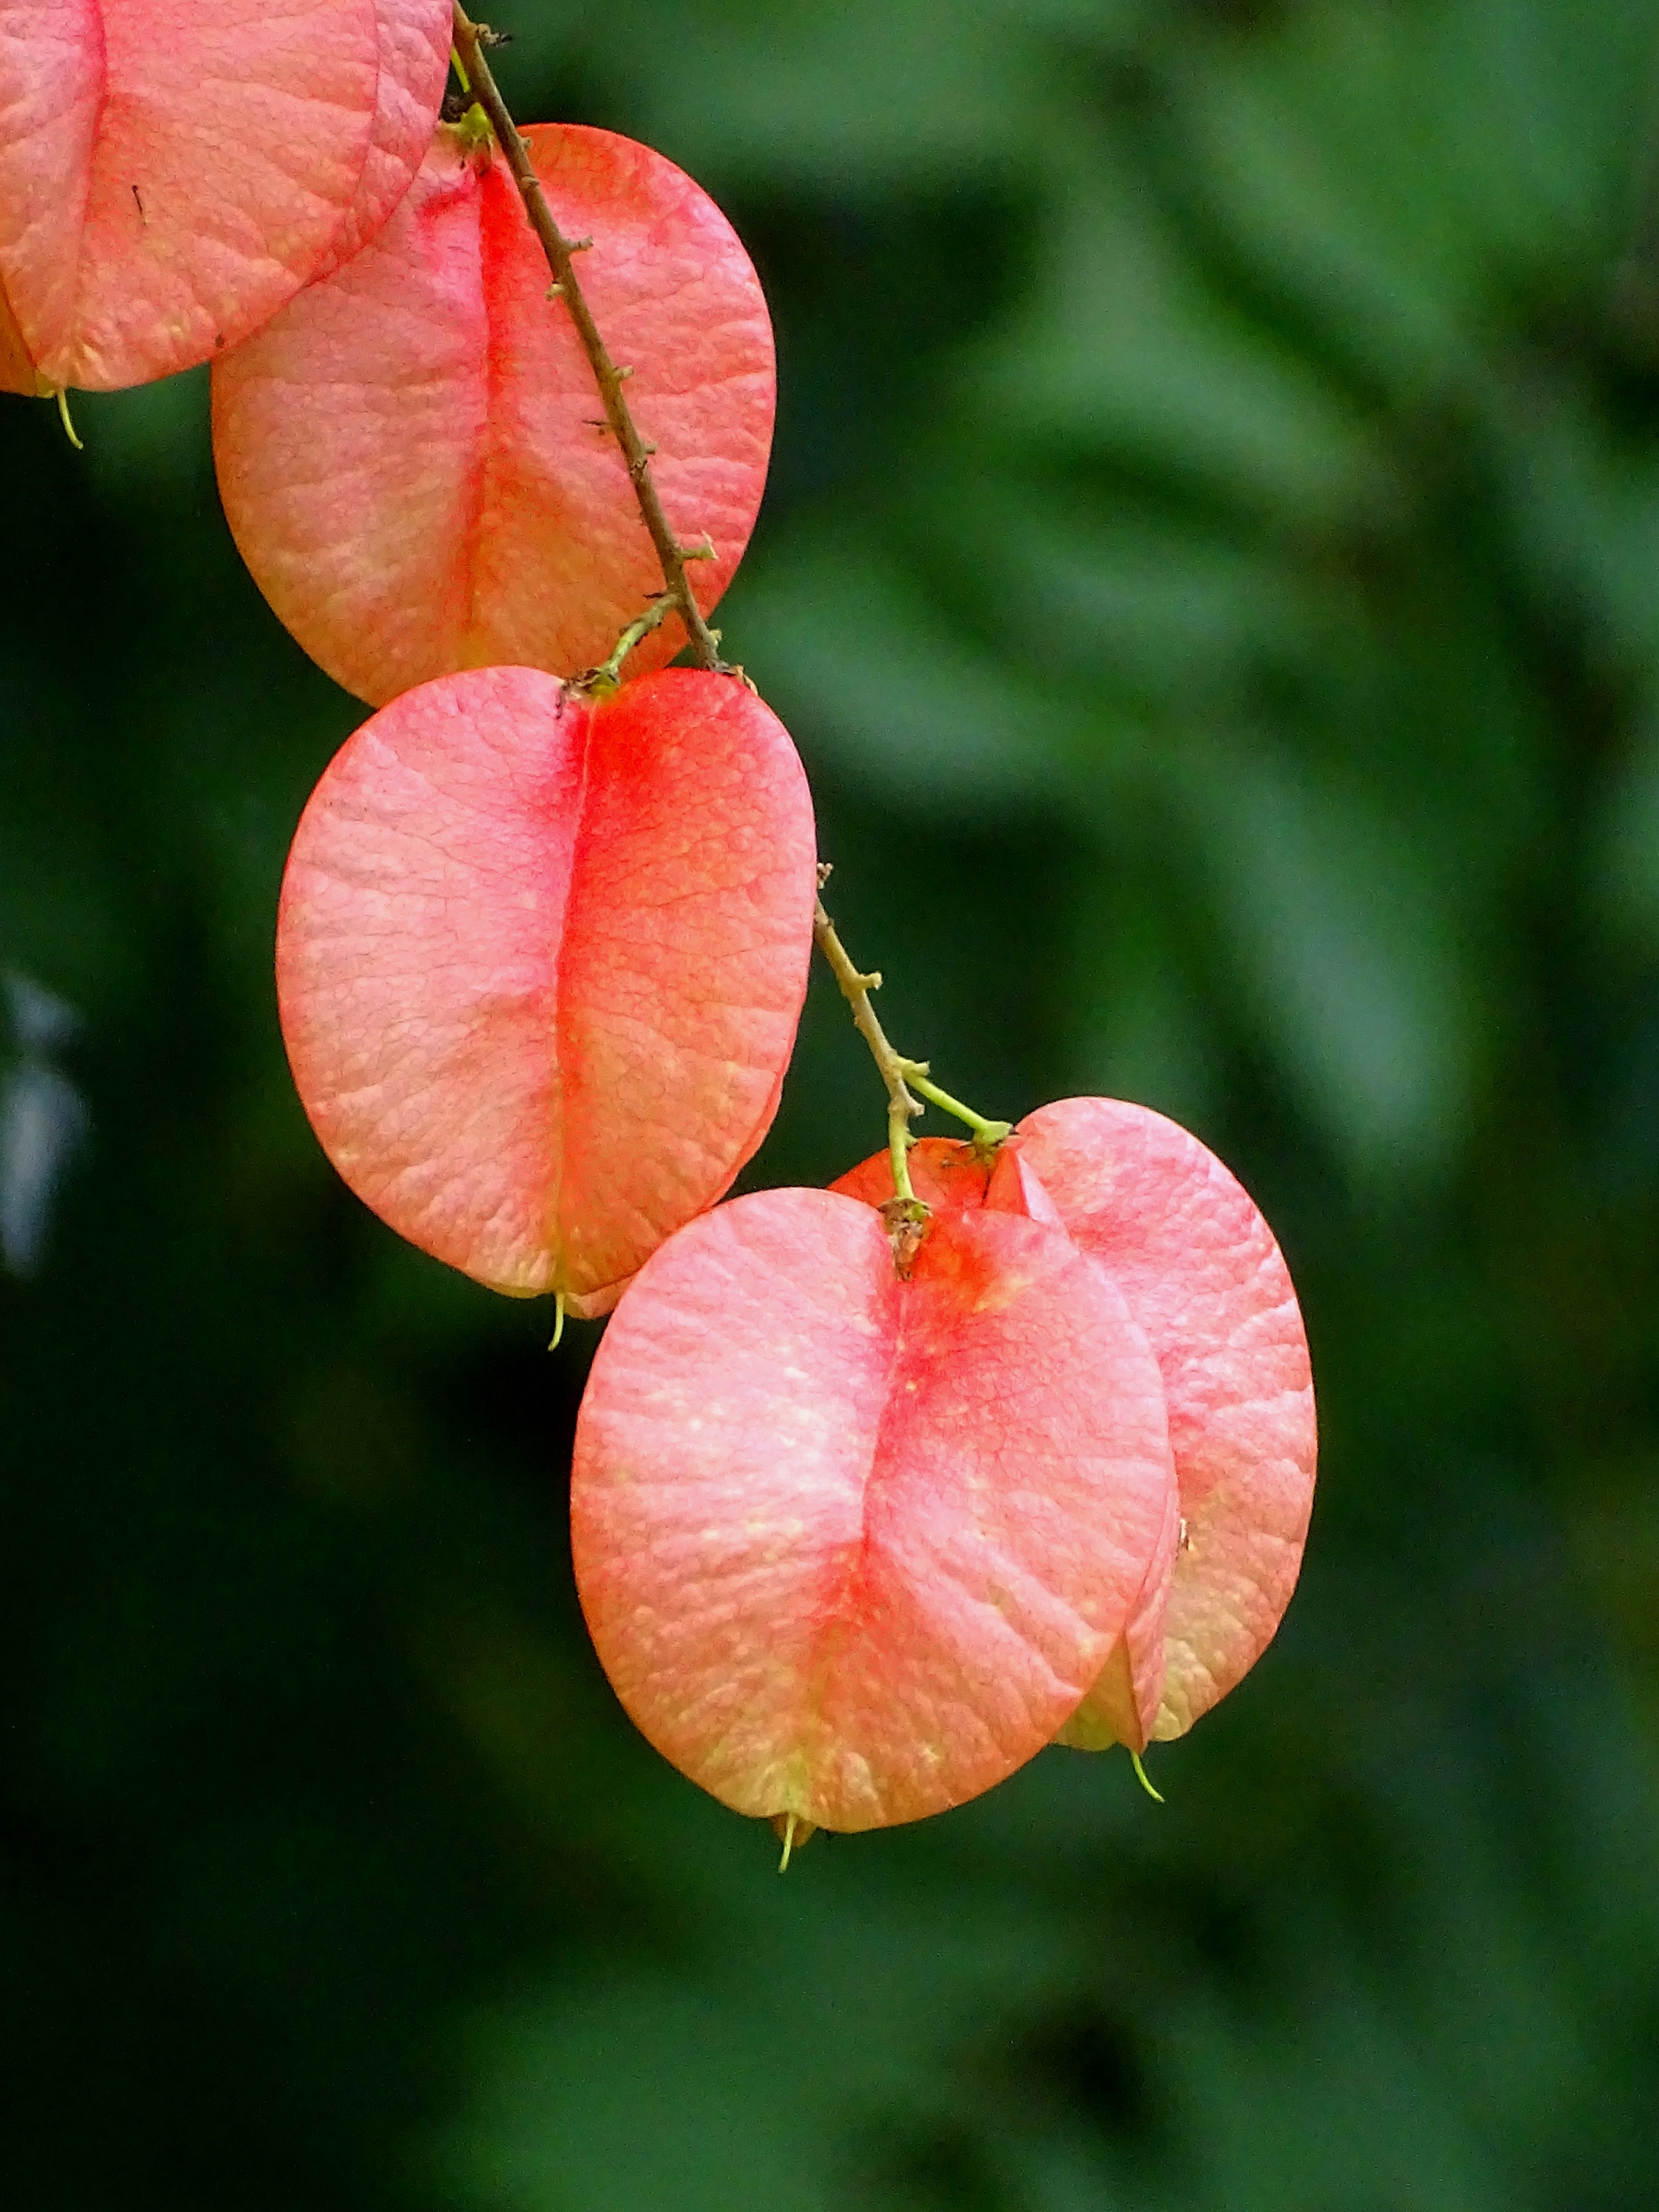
[(69, 425), (1134, 1757)]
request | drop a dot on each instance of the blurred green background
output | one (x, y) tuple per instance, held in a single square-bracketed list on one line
[(1212, 569)]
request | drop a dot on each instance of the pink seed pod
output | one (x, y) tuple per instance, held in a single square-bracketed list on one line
[(852, 1546), (1203, 1276), (414, 459), (171, 172), (540, 962)]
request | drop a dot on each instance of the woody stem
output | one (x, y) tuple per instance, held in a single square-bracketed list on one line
[(561, 252)]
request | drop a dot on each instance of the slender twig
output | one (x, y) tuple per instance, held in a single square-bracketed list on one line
[(985, 1132), (560, 251), (896, 1073), (607, 674), (903, 1078), (856, 988)]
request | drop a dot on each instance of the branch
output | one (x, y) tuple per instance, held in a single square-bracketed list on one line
[(902, 1077), (560, 250), (608, 675), (856, 988), (898, 1074)]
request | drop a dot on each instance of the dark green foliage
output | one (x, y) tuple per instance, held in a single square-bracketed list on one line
[(1213, 571)]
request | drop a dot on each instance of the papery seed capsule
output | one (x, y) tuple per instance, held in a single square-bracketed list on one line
[(171, 174), (852, 1546), (1203, 1276), (540, 962), (413, 458)]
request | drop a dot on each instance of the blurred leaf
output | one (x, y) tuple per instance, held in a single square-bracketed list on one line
[(1348, 955), (1114, 598), (868, 677), (858, 88), (1626, 850), (1393, 166), (1139, 1023), (1123, 347)]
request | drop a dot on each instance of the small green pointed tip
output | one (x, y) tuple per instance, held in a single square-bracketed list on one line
[(788, 1844), (67, 421), (558, 1320), (1134, 1757), (476, 128)]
